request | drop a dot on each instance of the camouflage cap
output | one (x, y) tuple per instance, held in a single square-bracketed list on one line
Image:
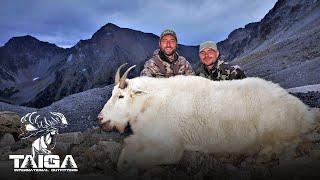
[(168, 32), (208, 44)]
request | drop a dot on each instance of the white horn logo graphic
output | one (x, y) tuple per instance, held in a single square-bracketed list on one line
[(33, 124)]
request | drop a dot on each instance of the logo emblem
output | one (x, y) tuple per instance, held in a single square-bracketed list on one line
[(45, 129)]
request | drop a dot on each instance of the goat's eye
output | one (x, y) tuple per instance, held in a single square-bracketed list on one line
[(121, 96)]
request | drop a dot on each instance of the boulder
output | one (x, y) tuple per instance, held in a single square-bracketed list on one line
[(7, 140), (71, 138), (9, 123)]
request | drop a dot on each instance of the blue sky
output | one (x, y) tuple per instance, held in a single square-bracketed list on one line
[(65, 22)]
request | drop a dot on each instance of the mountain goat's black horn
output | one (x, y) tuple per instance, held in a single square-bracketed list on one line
[(123, 84), (117, 77)]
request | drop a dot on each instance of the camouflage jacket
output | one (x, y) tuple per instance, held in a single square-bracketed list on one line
[(160, 66), (221, 71)]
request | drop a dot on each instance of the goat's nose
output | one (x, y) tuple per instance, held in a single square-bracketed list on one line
[(99, 119), (106, 126)]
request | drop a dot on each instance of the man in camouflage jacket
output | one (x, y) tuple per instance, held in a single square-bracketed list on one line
[(213, 67), (166, 62)]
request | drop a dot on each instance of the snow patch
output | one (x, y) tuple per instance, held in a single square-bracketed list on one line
[(305, 89), (69, 59), (36, 78)]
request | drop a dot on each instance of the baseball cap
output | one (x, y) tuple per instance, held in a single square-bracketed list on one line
[(168, 32), (208, 44)]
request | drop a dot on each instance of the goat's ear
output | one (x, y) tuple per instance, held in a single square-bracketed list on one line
[(138, 91)]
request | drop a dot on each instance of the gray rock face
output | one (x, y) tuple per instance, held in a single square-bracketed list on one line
[(111, 148), (80, 110), (35, 73), (283, 47), (9, 122), (27, 67), (7, 140), (71, 138)]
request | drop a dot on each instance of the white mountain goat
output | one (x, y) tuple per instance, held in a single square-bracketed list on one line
[(170, 115)]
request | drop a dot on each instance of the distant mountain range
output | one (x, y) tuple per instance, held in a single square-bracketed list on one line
[(283, 47), (35, 73)]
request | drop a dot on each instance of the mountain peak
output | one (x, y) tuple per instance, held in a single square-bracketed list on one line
[(22, 39), (111, 26), (27, 41), (283, 15), (105, 30)]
